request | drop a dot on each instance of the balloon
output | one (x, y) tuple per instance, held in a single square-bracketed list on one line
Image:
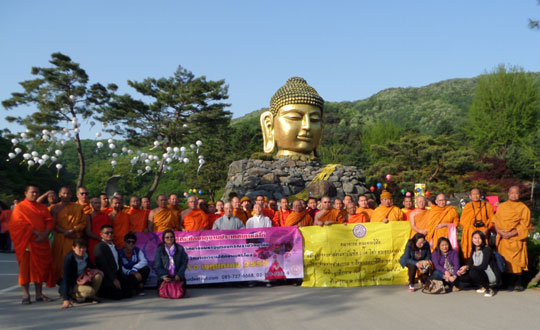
[(113, 163), (192, 146), (183, 149), (31, 163), (11, 155), (198, 143), (200, 192), (403, 191), (176, 149), (148, 168), (186, 160), (124, 149), (129, 151), (45, 157), (99, 144), (156, 143), (418, 189), (112, 146), (35, 153), (379, 185), (110, 140), (372, 188), (18, 150), (53, 159), (428, 193), (14, 141), (408, 194), (114, 155), (169, 149), (385, 185), (24, 135), (59, 166), (186, 194), (41, 162), (27, 156), (388, 177)]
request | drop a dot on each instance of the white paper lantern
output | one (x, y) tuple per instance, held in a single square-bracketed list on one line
[(148, 168), (31, 163), (58, 152), (113, 163), (45, 157), (110, 140), (53, 159), (112, 146), (11, 155), (98, 134), (183, 149), (114, 155), (198, 143), (186, 160), (14, 141), (18, 150), (176, 149), (99, 144)]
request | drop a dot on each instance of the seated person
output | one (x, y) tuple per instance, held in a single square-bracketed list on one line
[(417, 251), (446, 263), (134, 263), (115, 284), (78, 269), (482, 269), (171, 260)]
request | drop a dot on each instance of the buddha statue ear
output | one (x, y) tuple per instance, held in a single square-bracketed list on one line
[(267, 127)]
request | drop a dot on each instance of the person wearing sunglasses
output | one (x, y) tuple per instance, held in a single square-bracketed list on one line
[(134, 263), (115, 284), (171, 260)]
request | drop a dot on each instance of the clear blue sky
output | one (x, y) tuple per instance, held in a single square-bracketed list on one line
[(347, 50)]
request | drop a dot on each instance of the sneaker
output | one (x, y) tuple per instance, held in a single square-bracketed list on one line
[(455, 288), (489, 293), (519, 288), (411, 288), (251, 284), (268, 285), (481, 290)]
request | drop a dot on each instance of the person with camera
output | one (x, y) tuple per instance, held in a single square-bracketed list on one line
[(476, 215)]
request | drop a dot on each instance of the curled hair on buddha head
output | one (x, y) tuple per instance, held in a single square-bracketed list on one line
[(443, 239), (168, 231), (295, 91), (482, 236), (414, 239)]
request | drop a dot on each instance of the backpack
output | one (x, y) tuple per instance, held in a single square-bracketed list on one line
[(501, 262)]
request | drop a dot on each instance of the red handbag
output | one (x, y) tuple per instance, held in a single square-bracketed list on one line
[(172, 290)]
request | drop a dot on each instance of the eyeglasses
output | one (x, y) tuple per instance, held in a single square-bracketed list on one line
[(169, 237), (83, 193), (107, 233), (130, 241)]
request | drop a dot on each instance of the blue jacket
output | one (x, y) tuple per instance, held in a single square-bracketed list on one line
[(408, 257)]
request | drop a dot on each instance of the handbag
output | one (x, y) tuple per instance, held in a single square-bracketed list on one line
[(171, 290), (88, 275), (434, 287)]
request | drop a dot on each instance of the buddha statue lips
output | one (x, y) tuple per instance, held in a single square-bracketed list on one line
[(294, 122)]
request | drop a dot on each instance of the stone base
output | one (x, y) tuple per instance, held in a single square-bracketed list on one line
[(285, 177)]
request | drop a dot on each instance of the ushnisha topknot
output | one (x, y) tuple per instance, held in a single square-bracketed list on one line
[(295, 91)]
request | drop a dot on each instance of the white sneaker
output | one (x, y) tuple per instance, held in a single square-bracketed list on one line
[(411, 288), (489, 293), (481, 290)]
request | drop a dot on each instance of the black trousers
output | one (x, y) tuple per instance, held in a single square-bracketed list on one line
[(412, 274), (475, 277), (134, 282), (108, 290)]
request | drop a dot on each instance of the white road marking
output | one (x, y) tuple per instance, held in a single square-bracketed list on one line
[(11, 288)]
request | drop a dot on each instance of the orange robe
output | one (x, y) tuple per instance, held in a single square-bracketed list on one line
[(98, 220), (70, 217), (87, 208), (195, 220), (121, 226), (280, 218), (269, 213), (241, 214), (35, 258), (512, 216), (212, 217), (299, 219), (357, 218), (165, 219), (439, 215), (331, 215), (392, 213), (407, 213), (481, 212), (139, 219), (420, 221), (4, 219), (366, 211)]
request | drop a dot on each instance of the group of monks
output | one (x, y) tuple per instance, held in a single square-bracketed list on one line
[(41, 261)]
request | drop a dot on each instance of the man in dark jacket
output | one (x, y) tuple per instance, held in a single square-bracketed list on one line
[(115, 285)]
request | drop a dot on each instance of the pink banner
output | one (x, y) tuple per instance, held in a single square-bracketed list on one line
[(216, 256)]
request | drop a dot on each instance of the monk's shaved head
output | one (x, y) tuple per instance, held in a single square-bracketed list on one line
[(513, 193)]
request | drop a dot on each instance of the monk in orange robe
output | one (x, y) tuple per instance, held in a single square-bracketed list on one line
[(83, 199), (139, 217), (173, 205), (339, 205), (30, 226), (512, 223), (247, 206), (299, 216), (387, 211), (328, 215), (193, 219), (121, 221), (105, 203), (280, 217), (238, 211), (268, 212), (476, 215), (419, 217), (94, 222), (363, 207), (440, 217), (70, 223), (408, 207), (352, 216), (162, 217), (145, 204)]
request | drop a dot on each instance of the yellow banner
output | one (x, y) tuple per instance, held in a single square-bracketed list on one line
[(355, 254)]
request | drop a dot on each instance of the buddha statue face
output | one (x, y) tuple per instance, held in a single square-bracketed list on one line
[(294, 122)]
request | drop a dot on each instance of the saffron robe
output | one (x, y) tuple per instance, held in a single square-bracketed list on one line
[(420, 220), (440, 215), (121, 226), (481, 212), (35, 258), (196, 220), (241, 214), (280, 218), (366, 211), (97, 221), (139, 219), (512, 216), (407, 213), (357, 218), (87, 208), (70, 217), (392, 213), (330, 215), (165, 219), (299, 219)]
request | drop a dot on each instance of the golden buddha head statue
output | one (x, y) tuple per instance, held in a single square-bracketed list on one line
[(294, 123)]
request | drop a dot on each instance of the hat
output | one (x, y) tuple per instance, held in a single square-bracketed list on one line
[(386, 194), (245, 198)]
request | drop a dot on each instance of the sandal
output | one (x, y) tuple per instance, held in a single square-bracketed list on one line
[(26, 301), (44, 298)]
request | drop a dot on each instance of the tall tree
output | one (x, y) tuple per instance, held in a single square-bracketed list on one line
[(181, 109), (505, 109), (61, 93)]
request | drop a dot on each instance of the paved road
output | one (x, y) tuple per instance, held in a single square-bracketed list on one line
[(277, 308)]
